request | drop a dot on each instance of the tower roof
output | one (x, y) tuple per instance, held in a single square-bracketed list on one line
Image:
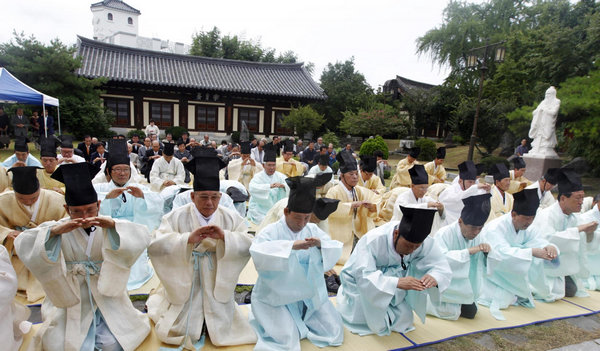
[(116, 5)]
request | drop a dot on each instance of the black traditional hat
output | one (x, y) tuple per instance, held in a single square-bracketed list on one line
[(440, 153), (346, 161), (368, 163), (168, 149), (118, 154), (236, 194), (77, 178), (519, 163), (47, 147), (552, 175), (526, 202), (415, 152), (416, 223), (467, 171), (481, 168), (302, 194), (245, 147), (205, 166), (324, 207), (499, 171), (418, 175), (568, 181), (324, 160), (322, 179), (21, 144), (66, 141), (270, 153), (24, 180), (476, 210), (288, 146)]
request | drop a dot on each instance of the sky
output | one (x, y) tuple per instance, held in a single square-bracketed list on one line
[(380, 34)]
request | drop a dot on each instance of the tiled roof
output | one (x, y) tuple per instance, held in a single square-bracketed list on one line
[(407, 84), (119, 63), (117, 5)]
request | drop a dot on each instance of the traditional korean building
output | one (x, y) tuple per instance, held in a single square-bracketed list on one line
[(199, 93)]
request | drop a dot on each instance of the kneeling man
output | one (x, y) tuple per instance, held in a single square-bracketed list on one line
[(198, 253), (389, 273), (289, 301)]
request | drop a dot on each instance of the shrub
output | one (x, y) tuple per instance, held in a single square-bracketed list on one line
[(139, 132), (428, 149), (387, 174), (489, 161), (379, 120), (369, 146), (175, 131), (335, 167), (235, 137), (331, 138), (457, 139)]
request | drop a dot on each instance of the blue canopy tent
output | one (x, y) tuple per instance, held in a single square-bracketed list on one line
[(14, 91)]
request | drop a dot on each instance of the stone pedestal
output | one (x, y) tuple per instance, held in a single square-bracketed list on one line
[(537, 166)]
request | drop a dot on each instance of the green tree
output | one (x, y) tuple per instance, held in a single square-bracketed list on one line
[(213, 44), (380, 119), (52, 70), (369, 146), (303, 119), (346, 89)]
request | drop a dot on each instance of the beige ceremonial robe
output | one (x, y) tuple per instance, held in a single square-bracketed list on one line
[(14, 216), (386, 210), (67, 311), (46, 182), (290, 168), (4, 181), (242, 174), (373, 184), (344, 224), (402, 177), (515, 183), (184, 296), (499, 206), (13, 323), (434, 172)]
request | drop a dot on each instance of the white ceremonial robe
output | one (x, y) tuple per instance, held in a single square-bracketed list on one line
[(452, 198), (408, 199), (146, 211), (163, 170), (546, 199), (513, 274), (74, 267), (242, 174), (561, 230), (289, 300), (593, 251), (262, 196), (198, 281), (14, 315), (467, 272), (370, 301)]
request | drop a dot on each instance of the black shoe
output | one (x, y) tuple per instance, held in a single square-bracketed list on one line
[(332, 284), (248, 297)]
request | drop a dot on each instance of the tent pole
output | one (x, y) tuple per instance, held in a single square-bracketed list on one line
[(58, 109), (45, 122)]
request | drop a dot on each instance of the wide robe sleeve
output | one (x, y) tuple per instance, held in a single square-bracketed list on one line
[(31, 248), (121, 248)]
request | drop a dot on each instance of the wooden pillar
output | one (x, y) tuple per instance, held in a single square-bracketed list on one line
[(267, 122), (138, 110), (228, 116), (183, 112)]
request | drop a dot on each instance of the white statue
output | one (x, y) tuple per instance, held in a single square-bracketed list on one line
[(543, 126)]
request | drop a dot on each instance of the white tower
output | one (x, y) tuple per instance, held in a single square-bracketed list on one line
[(115, 22)]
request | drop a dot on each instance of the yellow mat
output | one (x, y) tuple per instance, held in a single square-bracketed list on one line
[(592, 302), (435, 330)]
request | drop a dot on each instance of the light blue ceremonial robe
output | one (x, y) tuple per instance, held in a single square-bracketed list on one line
[(30, 162), (146, 211), (467, 272), (370, 301), (289, 300), (262, 196), (561, 230), (512, 271), (593, 251)]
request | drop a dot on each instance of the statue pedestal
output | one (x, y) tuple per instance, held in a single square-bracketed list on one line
[(538, 165)]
